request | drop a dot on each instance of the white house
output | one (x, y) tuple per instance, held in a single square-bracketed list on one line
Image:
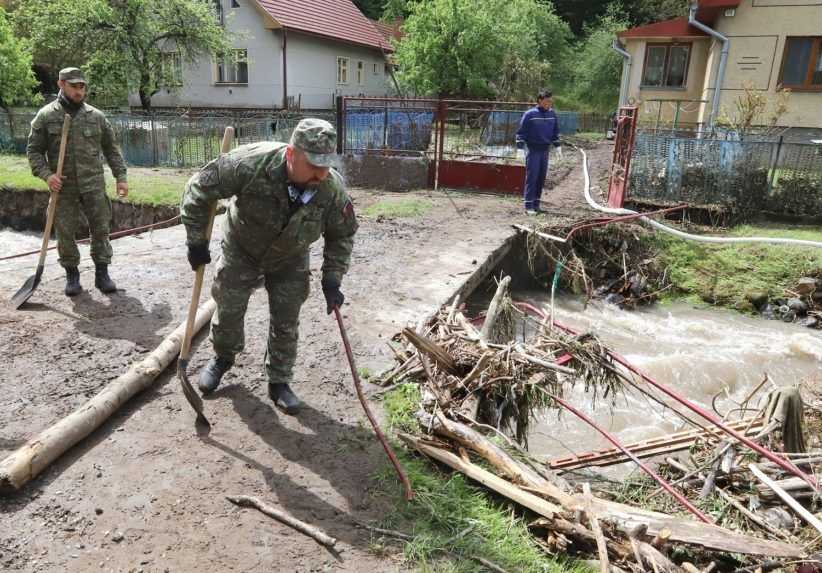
[(290, 53)]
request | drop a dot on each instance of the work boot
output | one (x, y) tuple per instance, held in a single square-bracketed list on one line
[(212, 374), (283, 397), (73, 287), (101, 279)]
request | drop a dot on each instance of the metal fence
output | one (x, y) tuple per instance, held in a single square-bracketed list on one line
[(748, 177), (172, 140)]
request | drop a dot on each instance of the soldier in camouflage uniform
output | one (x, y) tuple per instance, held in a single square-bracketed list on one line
[(285, 197), (82, 186)]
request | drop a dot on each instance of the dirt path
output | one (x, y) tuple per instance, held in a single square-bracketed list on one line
[(143, 493)]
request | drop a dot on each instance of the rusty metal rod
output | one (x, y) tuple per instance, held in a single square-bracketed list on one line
[(409, 493), (659, 479)]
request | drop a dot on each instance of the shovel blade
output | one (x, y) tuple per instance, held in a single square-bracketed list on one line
[(28, 288), (192, 396)]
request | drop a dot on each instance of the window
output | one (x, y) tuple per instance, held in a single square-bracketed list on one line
[(360, 73), (666, 65), (342, 70), (171, 67), (235, 4), (376, 69), (218, 10), (233, 69), (802, 64)]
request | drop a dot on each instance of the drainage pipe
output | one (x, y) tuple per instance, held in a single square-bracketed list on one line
[(677, 232), (656, 477), (625, 82), (723, 60)]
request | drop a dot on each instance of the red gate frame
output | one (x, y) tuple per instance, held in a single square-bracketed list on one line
[(620, 172)]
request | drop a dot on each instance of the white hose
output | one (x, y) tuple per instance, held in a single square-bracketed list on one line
[(678, 233)]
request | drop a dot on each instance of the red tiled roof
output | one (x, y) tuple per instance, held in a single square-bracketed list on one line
[(337, 19), (676, 28), (389, 30)]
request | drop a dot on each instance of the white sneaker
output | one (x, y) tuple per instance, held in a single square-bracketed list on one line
[(531, 212)]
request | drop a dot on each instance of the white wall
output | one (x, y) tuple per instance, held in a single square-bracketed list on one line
[(312, 69)]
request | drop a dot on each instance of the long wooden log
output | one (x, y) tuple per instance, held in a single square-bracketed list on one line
[(35, 455), (500, 459)]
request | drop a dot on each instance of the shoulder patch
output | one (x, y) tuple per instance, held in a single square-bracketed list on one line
[(348, 210)]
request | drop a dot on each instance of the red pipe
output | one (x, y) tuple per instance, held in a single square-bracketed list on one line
[(409, 493), (112, 236), (611, 438), (781, 462), (603, 222)]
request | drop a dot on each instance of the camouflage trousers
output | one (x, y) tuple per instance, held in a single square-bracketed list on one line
[(287, 287), (96, 206)]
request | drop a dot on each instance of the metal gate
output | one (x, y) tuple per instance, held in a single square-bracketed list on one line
[(619, 176), (467, 143)]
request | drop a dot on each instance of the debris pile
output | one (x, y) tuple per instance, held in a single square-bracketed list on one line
[(481, 385)]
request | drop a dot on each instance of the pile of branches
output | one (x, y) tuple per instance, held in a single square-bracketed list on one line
[(611, 263), (481, 387)]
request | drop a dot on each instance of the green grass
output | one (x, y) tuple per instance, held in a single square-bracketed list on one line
[(399, 207), (447, 504), (729, 274), (149, 186)]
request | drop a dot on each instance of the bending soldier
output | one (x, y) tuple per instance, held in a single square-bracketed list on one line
[(285, 197), (83, 186)]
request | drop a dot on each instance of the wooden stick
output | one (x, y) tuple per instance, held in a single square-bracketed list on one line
[(454, 306), (539, 362), (602, 547), (786, 497), (539, 233), (494, 309), (36, 454), (282, 517)]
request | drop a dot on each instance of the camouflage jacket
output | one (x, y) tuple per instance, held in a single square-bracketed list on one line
[(258, 226), (90, 138)]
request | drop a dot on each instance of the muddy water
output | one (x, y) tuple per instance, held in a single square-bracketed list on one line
[(698, 352)]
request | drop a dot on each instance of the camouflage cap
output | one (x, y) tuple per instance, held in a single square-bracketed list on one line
[(72, 75), (318, 139)]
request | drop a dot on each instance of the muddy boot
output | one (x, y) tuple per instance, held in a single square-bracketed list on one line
[(283, 397), (73, 287), (101, 279), (212, 374)]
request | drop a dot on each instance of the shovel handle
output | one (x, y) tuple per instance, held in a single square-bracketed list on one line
[(53, 194), (225, 147)]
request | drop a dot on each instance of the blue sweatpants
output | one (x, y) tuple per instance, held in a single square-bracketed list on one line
[(536, 168)]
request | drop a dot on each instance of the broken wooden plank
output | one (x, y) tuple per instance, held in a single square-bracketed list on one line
[(645, 448), (786, 497)]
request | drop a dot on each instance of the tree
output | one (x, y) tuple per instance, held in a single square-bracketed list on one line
[(598, 68), (371, 8), (17, 81), (480, 48), (124, 44)]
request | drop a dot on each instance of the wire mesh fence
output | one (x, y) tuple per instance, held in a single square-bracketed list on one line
[(398, 127), (748, 177), (171, 140)]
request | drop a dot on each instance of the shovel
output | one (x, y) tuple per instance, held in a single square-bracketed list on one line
[(22, 295), (185, 352)]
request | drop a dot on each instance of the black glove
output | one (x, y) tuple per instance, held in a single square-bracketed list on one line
[(558, 143), (198, 255), (333, 296), (520, 145)]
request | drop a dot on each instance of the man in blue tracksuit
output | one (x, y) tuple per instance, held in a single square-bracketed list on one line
[(538, 131)]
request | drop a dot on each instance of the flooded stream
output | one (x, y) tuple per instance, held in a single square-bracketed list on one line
[(699, 352)]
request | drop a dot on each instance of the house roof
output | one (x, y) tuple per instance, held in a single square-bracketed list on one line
[(708, 10), (676, 28), (337, 19), (389, 30)]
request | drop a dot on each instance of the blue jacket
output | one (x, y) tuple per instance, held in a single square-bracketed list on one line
[(538, 129)]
